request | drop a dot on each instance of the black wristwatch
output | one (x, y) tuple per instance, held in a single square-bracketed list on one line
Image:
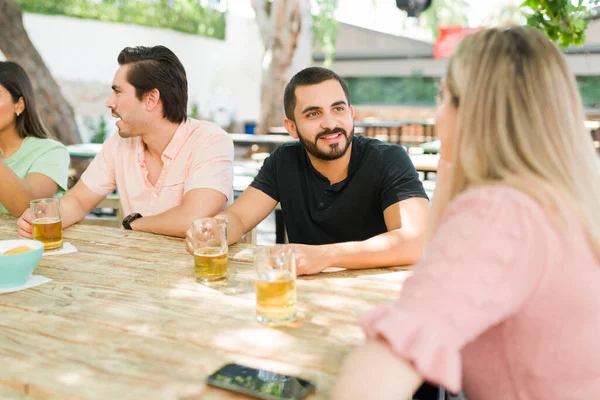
[(129, 219)]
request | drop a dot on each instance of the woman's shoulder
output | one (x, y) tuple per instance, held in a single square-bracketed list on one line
[(35, 144), (498, 216), (499, 205), (499, 194)]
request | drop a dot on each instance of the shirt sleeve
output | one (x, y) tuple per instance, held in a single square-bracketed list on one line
[(399, 179), (99, 176), (212, 165), (54, 163), (479, 269), (266, 179)]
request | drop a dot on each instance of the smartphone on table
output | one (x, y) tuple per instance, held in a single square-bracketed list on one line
[(259, 383)]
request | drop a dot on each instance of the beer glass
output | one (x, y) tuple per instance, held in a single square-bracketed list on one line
[(210, 249), (275, 285), (47, 224)]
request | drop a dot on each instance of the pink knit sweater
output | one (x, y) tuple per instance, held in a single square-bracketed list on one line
[(505, 303)]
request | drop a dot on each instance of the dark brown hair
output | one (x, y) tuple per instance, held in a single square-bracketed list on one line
[(306, 77), (14, 79)]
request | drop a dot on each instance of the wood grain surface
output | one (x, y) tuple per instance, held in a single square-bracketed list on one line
[(123, 318)]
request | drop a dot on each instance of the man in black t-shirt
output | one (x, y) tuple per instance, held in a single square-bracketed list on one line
[(347, 201)]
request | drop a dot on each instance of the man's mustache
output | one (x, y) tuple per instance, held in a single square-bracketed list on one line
[(330, 132)]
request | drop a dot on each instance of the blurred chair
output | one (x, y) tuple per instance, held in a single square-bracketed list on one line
[(112, 201)]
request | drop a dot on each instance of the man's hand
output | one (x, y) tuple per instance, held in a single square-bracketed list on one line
[(205, 233), (311, 260), (24, 225)]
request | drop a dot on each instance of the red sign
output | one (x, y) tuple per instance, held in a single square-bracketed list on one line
[(449, 38)]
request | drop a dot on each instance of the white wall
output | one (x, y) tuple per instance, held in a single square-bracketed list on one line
[(396, 68), (354, 40), (218, 71), (593, 32)]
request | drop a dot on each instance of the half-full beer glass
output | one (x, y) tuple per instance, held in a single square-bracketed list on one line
[(276, 285), (210, 249), (47, 224)]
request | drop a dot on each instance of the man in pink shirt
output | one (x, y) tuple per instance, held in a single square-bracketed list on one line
[(168, 169)]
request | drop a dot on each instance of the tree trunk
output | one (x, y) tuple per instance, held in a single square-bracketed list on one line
[(280, 23), (56, 113)]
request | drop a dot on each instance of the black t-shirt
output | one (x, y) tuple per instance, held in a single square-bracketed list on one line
[(316, 212)]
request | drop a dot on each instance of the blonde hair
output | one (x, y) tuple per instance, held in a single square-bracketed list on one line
[(521, 122)]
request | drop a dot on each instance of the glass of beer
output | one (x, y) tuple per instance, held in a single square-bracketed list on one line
[(210, 249), (47, 224), (276, 285)]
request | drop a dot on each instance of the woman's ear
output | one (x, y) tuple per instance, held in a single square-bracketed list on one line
[(19, 106)]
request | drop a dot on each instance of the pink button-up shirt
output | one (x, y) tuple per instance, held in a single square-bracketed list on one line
[(200, 156)]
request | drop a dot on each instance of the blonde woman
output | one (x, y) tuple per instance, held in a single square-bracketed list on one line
[(505, 303)]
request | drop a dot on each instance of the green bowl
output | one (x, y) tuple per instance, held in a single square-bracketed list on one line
[(16, 268)]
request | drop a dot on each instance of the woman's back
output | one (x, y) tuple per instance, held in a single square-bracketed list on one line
[(549, 347), (506, 294)]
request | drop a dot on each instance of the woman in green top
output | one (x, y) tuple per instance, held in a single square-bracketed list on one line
[(32, 166)]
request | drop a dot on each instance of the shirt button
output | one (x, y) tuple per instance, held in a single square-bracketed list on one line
[(154, 195), (321, 204)]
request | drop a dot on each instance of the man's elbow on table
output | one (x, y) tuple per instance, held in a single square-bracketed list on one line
[(414, 250), (198, 203)]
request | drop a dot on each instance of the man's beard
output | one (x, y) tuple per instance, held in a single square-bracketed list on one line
[(335, 151), (123, 134), (132, 129)]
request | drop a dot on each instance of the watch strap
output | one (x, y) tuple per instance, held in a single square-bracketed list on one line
[(129, 219)]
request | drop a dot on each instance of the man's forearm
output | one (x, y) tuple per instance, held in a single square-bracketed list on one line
[(235, 227), (174, 222), (398, 247), (71, 210)]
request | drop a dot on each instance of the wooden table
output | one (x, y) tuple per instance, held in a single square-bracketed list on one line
[(425, 163), (123, 318)]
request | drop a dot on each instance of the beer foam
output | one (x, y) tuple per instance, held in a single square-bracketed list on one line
[(48, 220), (210, 252)]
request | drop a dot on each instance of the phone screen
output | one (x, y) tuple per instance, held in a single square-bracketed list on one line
[(260, 383)]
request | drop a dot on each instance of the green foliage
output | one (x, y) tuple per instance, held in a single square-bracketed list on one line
[(413, 90), (195, 110), (181, 15), (100, 131), (444, 13), (325, 28), (563, 21)]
